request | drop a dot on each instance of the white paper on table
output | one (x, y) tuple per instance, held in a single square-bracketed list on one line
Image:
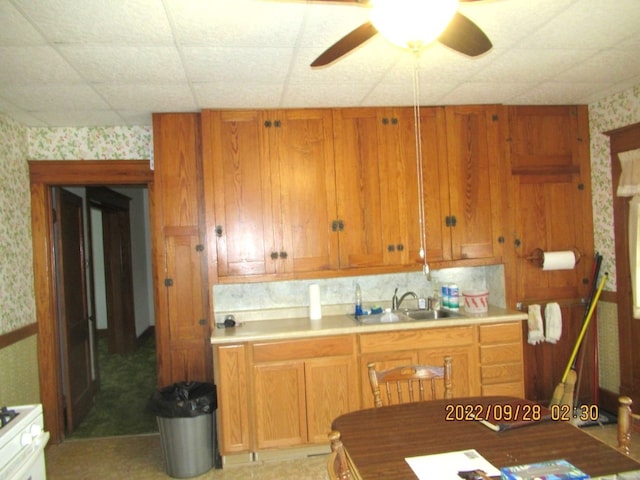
[(445, 466)]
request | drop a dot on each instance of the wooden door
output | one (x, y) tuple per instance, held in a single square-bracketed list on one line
[(237, 176), (473, 158), (549, 167), (550, 195), (331, 391), (280, 412), (182, 308), (72, 301), (303, 188), (383, 361)]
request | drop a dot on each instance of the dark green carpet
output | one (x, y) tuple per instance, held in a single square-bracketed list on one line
[(126, 383)]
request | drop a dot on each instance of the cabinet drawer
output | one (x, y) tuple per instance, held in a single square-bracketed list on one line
[(507, 353), (501, 333), (507, 372), (416, 339), (515, 389), (305, 348)]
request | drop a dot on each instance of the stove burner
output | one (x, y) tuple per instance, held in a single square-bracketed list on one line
[(6, 416)]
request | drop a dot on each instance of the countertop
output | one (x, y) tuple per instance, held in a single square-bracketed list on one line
[(292, 328)]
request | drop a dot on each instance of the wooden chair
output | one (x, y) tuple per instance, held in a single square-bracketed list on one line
[(400, 383), (338, 467), (627, 420)]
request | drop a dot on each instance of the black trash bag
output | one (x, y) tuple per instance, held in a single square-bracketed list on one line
[(183, 399)]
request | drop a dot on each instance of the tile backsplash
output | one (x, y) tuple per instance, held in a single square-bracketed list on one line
[(244, 299)]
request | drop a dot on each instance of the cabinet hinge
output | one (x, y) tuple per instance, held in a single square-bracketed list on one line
[(54, 215)]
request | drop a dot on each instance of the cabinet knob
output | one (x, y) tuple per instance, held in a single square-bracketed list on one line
[(500, 239), (400, 247), (218, 231), (267, 123), (517, 242), (391, 248), (274, 255), (283, 255)]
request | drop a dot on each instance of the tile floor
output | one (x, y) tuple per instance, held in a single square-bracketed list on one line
[(140, 458)]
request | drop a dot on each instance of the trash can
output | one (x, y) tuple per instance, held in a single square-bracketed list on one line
[(186, 421)]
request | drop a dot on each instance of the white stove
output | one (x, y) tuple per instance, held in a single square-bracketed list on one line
[(22, 442)]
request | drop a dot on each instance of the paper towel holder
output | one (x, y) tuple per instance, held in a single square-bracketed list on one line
[(537, 256)]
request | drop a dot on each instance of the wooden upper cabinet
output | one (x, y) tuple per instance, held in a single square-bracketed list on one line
[(237, 176), (269, 185), (377, 183), (548, 160), (474, 216)]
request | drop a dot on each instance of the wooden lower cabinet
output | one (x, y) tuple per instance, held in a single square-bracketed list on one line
[(429, 346), (501, 359), (286, 393)]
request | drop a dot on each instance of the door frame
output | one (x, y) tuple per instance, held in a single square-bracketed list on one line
[(44, 175)]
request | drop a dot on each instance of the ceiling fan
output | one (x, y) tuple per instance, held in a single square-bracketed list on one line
[(459, 33)]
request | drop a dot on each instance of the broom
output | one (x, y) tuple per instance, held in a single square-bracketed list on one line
[(563, 393)]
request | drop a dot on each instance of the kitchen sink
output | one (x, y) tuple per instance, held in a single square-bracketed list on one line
[(430, 314), (405, 316)]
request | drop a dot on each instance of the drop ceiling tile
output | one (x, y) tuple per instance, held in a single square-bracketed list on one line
[(247, 95), (126, 64), (135, 117), (34, 65), (157, 98), (323, 95), (522, 65), (220, 64), (602, 67), (51, 97), (16, 30), (470, 93), (240, 23), (99, 21), (587, 24), (327, 23), (557, 93)]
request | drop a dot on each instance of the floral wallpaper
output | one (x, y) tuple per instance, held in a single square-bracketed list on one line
[(607, 114), (17, 303), (90, 143)]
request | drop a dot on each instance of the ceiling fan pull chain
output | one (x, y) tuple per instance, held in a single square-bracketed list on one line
[(418, 138)]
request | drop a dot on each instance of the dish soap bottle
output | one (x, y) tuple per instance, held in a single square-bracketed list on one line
[(358, 300)]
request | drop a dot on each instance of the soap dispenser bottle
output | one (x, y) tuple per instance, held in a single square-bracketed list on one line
[(358, 300)]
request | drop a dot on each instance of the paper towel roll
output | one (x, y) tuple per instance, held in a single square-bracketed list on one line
[(315, 310), (563, 260)]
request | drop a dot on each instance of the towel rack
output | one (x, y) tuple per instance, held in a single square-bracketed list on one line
[(573, 302)]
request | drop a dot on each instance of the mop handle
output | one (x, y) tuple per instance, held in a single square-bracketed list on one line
[(584, 326)]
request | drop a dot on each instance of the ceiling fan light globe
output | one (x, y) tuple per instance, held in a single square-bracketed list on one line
[(412, 24)]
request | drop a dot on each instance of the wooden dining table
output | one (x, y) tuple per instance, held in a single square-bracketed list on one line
[(378, 440)]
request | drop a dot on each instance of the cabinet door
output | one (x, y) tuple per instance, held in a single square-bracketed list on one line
[(473, 159), (303, 185), (233, 414), (464, 367), (551, 194), (377, 185), (182, 326), (383, 361), (280, 413), (238, 192), (359, 187), (331, 390)]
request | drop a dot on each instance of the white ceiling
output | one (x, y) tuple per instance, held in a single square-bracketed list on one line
[(113, 62)]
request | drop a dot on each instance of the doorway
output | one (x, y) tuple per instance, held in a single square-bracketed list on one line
[(44, 176)]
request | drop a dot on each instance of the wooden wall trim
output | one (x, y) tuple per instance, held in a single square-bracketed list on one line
[(17, 335), (44, 175), (623, 139)]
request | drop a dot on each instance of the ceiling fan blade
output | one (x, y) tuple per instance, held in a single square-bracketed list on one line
[(465, 36), (347, 43)]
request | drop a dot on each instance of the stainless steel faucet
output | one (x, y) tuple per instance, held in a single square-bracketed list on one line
[(395, 302)]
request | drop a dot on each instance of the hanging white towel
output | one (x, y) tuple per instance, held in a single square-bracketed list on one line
[(553, 322), (536, 334)]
